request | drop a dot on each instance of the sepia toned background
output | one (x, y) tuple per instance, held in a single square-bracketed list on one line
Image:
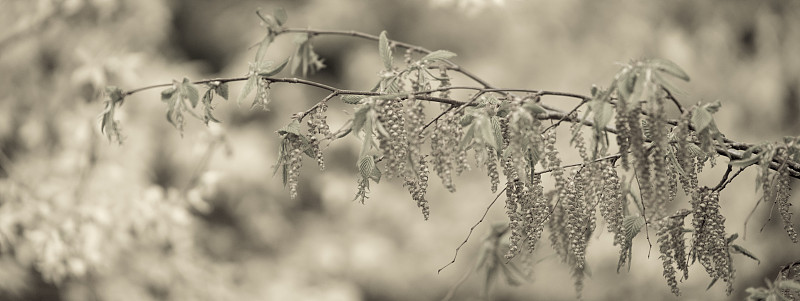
[(200, 217)]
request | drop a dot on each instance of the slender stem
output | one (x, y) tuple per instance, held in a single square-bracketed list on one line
[(569, 114), (675, 101), (724, 178), (644, 215), (735, 174), (415, 48), (471, 229), (351, 33)]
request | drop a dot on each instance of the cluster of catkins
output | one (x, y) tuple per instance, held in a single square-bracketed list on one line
[(448, 157), (672, 247), (416, 173), (710, 246)]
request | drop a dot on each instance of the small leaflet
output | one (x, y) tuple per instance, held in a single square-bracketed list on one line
[(670, 68), (352, 99), (366, 165), (222, 90), (189, 91), (385, 51), (701, 118), (438, 55), (248, 87), (271, 71), (280, 15)]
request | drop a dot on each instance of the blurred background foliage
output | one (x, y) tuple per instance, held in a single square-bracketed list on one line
[(201, 217)]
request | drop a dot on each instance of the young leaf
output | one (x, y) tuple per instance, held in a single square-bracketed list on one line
[(466, 140), (304, 58), (166, 94), (713, 281), (643, 88), (365, 165), (108, 125), (701, 118), (602, 114), (385, 51), (498, 132), (376, 175), (291, 128), (248, 87), (270, 71), (741, 250), (115, 94), (666, 84), (359, 118), (297, 58), (280, 15), (632, 226), (438, 55), (352, 99), (222, 90), (534, 108), (189, 91), (673, 160), (486, 132), (695, 150), (712, 107), (625, 83), (281, 158), (670, 68), (207, 97), (467, 120), (269, 20), (367, 143), (381, 129), (174, 115)]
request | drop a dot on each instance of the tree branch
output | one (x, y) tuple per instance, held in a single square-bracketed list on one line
[(730, 149)]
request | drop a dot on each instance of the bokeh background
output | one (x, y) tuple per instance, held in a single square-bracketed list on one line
[(200, 217)]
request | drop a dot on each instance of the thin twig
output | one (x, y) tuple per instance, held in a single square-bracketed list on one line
[(675, 101), (415, 48), (724, 178), (644, 215), (735, 174), (568, 115), (474, 97), (750, 215), (471, 229), (769, 217)]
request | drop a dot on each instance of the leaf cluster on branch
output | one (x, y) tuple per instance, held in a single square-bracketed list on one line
[(633, 182)]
